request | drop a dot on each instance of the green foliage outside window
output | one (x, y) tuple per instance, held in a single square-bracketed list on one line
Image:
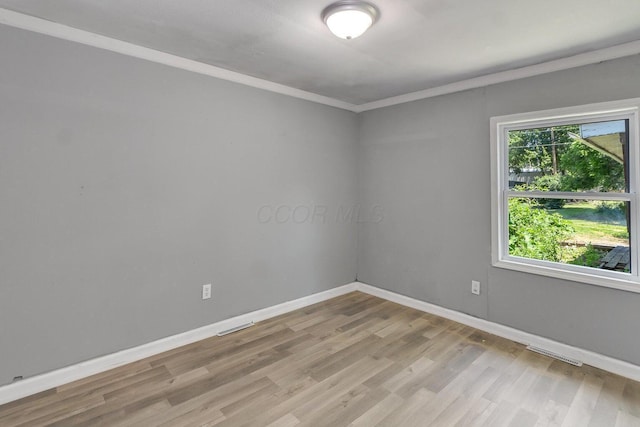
[(565, 163), (558, 159), (536, 233), (549, 183), (587, 169)]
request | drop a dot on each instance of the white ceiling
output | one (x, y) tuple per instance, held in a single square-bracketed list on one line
[(416, 44)]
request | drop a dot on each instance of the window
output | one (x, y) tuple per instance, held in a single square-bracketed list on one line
[(564, 193)]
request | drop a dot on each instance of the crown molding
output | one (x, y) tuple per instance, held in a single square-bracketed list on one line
[(53, 29), (587, 58)]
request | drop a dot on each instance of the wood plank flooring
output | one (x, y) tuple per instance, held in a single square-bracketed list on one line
[(354, 360)]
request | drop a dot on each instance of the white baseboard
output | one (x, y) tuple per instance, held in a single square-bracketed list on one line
[(597, 360), (75, 372), (46, 381)]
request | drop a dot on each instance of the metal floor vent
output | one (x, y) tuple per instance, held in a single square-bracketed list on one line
[(235, 329), (554, 355)]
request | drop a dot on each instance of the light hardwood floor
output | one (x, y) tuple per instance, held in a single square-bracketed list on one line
[(353, 360)]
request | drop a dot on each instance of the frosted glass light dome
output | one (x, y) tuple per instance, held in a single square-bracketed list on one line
[(349, 19)]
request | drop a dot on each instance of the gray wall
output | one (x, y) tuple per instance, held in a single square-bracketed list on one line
[(126, 185), (427, 164)]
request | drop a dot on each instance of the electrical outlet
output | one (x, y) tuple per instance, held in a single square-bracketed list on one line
[(475, 287), (206, 291)]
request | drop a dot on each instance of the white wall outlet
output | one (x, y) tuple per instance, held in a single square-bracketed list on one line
[(206, 291), (475, 287)]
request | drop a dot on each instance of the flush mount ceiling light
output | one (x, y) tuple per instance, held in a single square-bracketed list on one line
[(349, 19)]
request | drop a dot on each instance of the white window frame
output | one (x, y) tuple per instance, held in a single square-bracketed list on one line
[(500, 193)]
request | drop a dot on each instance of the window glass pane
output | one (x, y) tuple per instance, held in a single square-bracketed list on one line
[(591, 233), (580, 157)]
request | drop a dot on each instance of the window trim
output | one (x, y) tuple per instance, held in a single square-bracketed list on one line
[(500, 126)]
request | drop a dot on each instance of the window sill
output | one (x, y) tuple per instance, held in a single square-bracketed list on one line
[(612, 279)]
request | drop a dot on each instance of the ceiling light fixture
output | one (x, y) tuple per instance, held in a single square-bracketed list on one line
[(349, 19)]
